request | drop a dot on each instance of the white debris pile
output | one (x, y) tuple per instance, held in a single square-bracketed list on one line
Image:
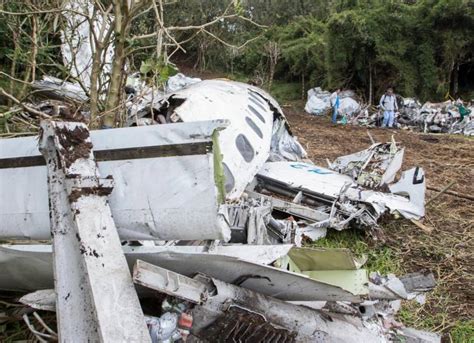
[(453, 117), (442, 117), (374, 167), (319, 102), (446, 118), (348, 105)]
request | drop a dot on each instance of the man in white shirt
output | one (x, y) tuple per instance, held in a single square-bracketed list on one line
[(388, 104)]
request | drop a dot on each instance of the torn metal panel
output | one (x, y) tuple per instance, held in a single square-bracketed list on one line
[(90, 271), (303, 176), (339, 193), (320, 187), (373, 167), (168, 282), (312, 232), (407, 197), (306, 324), (412, 184), (265, 279), (297, 210), (409, 286), (257, 125), (418, 282), (248, 221), (148, 159), (29, 267), (180, 81), (284, 145), (54, 88)]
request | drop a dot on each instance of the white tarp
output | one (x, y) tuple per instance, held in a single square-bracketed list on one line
[(318, 102), (348, 106)]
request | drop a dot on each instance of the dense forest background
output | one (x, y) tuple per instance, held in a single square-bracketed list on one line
[(423, 48)]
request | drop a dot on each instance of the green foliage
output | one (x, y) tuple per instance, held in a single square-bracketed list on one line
[(415, 46), (285, 92), (463, 331), (157, 71)]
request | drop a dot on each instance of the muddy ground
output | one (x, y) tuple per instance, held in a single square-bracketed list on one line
[(449, 250)]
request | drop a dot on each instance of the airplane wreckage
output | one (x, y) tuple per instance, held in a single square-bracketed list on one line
[(189, 224), (207, 197)]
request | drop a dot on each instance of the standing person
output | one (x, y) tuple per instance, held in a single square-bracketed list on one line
[(388, 104), (335, 102)]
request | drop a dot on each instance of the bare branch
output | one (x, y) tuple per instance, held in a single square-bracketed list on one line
[(202, 26), (26, 107)]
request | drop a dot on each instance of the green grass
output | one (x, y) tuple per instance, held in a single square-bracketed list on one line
[(381, 259), (284, 91), (463, 332)]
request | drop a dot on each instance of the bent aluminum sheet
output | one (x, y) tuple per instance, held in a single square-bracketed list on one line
[(328, 183), (29, 268), (164, 189)]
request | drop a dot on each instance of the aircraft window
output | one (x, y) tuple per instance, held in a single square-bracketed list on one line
[(245, 148), (254, 111), (256, 103), (229, 178), (257, 97), (254, 127)]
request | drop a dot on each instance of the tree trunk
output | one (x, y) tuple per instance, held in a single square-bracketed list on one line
[(370, 84), (118, 63), (455, 79), (302, 87), (94, 89), (16, 52), (34, 51)]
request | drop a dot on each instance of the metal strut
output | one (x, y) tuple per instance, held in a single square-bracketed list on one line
[(95, 297)]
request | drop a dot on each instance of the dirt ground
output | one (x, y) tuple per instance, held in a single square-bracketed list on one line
[(449, 250)]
